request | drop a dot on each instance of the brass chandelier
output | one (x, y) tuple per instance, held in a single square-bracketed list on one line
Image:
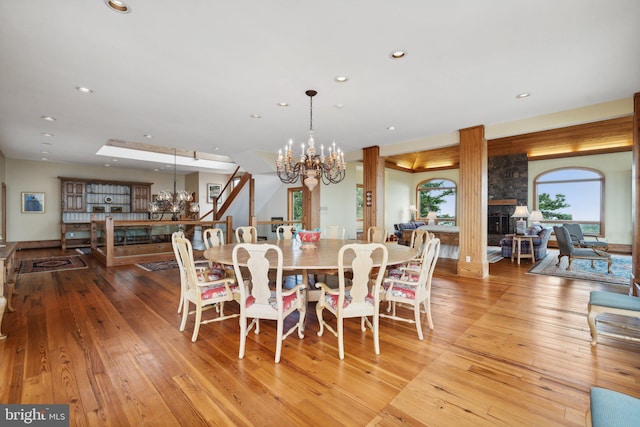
[(311, 167), (173, 202)]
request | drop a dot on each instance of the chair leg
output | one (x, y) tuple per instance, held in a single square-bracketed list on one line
[(319, 309), (243, 336), (591, 319), (280, 326), (196, 327), (376, 335), (340, 341), (427, 308), (185, 313), (416, 314), (181, 302), (302, 312)]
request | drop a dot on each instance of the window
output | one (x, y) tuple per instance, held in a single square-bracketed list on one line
[(439, 196), (571, 195), (359, 202), (294, 205)]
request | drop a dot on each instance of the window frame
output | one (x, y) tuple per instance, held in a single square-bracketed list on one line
[(601, 179), (419, 216)]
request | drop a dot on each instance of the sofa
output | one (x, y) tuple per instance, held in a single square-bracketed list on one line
[(397, 229), (539, 242)]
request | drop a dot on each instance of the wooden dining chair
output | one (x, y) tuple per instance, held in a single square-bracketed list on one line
[(285, 232), (247, 234), (203, 287), (214, 237), (376, 234), (413, 288), (183, 280), (261, 298), (357, 296), (334, 232)]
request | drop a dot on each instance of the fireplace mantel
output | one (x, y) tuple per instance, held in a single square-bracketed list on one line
[(503, 202)]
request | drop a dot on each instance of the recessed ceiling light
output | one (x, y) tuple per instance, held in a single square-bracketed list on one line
[(83, 89), (283, 104), (256, 116), (156, 170), (339, 106), (45, 143), (43, 158), (48, 118), (342, 79), (397, 54), (47, 134), (148, 136), (107, 165), (44, 152), (114, 160), (523, 95), (117, 6), (391, 128)]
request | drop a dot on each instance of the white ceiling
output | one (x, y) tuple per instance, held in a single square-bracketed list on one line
[(191, 73)]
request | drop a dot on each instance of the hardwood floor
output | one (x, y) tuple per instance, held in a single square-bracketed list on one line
[(512, 349)]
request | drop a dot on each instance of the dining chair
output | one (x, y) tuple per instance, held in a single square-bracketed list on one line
[(418, 242), (334, 232), (214, 237), (358, 296), (247, 234), (376, 234), (183, 280), (413, 288), (204, 287), (261, 298), (285, 232)]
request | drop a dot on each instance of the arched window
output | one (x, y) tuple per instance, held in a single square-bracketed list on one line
[(437, 195), (571, 195)]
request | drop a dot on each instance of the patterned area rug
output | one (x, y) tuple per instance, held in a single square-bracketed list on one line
[(47, 265), (581, 269), (165, 265), (494, 254)]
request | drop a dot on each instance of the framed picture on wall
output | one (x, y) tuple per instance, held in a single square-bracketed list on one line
[(32, 202), (213, 191)]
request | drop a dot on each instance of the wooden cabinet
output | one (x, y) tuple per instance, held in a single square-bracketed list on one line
[(84, 199)]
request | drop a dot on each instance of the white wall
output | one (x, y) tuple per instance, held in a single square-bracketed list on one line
[(32, 176)]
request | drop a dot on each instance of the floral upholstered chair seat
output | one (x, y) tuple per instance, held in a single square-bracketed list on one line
[(332, 299), (288, 301)]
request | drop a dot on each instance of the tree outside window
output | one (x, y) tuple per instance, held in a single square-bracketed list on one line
[(571, 195), (439, 196)]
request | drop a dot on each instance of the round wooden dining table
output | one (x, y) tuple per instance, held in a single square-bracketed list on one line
[(322, 258)]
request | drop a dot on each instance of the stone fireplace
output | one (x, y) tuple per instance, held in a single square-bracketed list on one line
[(507, 188)]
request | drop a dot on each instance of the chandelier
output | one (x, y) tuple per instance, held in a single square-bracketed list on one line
[(311, 167), (174, 202)]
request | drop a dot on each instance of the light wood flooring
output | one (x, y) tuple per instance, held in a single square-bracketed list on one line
[(509, 350)]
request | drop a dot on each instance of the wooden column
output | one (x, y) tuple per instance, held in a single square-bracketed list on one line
[(373, 187), (634, 289), (472, 196)]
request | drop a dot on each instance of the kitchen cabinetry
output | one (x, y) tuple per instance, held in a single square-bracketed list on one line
[(82, 198)]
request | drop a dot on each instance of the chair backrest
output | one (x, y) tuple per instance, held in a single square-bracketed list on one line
[(419, 239), (174, 244), (254, 279), (334, 232), (285, 232), (247, 234), (357, 260), (376, 234), (185, 260), (564, 240), (213, 237), (429, 259), (575, 233)]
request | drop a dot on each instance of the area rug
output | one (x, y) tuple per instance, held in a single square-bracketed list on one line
[(581, 269), (47, 265), (165, 265)]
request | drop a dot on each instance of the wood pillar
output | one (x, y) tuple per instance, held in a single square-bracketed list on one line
[(373, 187), (634, 289), (473, 199)]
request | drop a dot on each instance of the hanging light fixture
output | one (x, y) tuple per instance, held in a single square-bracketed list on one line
[(311, 168), (167, 201)]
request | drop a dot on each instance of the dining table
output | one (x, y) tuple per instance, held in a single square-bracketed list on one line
[(321, 259)]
